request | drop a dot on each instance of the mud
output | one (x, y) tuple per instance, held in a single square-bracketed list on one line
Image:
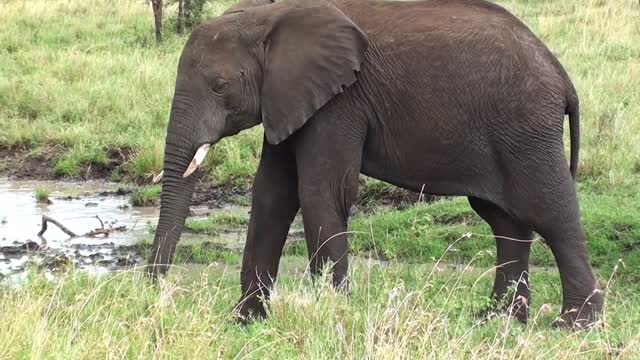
[(75, 205), (213, 196), (18, 163), (21, 163)]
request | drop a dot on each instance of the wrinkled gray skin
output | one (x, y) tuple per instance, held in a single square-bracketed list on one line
[(458, 96)]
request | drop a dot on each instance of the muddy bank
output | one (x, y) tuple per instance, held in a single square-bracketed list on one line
[(81, 208), (21, 163), (103, 231), (214, 196), (87, 202)]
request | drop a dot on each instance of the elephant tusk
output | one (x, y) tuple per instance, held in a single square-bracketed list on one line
[(158, 177), (197, 160)]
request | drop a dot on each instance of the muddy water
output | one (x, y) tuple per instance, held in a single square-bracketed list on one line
[(74, 205)]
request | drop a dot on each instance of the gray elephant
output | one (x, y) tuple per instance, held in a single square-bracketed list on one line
[(451, 96)]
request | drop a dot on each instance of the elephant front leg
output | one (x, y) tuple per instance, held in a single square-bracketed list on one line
[(274, 206), (325, 203), (325, 233)]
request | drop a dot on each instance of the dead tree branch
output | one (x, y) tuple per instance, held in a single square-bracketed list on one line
[(101, 223), (93, 233), (46, 219)]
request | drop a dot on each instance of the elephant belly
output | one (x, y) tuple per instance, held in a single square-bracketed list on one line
[(431, 161)]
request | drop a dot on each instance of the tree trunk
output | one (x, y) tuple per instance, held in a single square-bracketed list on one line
[(180, 22), (157, 15), (186, 13)]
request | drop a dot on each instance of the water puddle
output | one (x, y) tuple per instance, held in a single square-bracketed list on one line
[(81, 207)]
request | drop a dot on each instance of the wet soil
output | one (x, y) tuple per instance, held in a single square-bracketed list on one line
[(83, 207), (75, 202), (19, 162), (214, 196)]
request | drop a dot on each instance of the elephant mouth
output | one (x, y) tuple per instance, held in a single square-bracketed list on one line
[(195, 163)]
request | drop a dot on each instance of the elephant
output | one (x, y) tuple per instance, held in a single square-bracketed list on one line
[(448, 97)]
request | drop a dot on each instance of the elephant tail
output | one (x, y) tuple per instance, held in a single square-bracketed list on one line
[(573, 110)]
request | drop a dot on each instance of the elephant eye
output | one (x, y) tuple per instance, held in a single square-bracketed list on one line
[(219, 85)]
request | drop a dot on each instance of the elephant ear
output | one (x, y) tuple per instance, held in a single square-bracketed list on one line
[(311, 52), (242, 5)]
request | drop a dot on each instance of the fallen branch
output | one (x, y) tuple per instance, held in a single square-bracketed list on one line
[(96, 232), (93, 233), (46, 219), (101, 223)]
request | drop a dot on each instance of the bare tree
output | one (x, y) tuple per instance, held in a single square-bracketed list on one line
[(157, 15), (179, 22), (189, 14)]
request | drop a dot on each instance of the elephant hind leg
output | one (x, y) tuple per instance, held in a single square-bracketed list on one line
[(546, 200), (513, 243), (561, 228)]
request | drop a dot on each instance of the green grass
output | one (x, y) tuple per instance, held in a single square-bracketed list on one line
[(88, 82), (206, 253), (90, 78), (42, 194), (78, 158), (218, 221), (427, 232), (393, 311), (146, 196)]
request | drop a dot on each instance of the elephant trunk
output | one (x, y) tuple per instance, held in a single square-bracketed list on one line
[(177, 190)]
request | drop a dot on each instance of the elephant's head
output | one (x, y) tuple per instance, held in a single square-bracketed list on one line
[(274, 64)]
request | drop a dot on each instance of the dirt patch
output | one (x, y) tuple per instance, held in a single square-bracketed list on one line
[(22, 163), (119, 192), (216, 196), (117, 158), (390, 197)]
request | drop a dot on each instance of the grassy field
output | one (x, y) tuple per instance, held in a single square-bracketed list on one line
[(88, 81), (393, 311), (84, 84)]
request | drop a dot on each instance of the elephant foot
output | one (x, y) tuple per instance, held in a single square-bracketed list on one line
[(250, 309), (575, 318), (582, 316), (519, 309)]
